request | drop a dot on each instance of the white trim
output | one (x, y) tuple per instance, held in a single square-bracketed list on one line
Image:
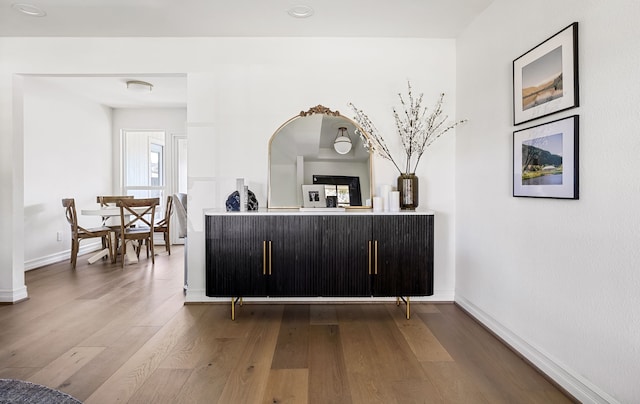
[(12, 296), (575, 384), (173, 183), (60, 256)]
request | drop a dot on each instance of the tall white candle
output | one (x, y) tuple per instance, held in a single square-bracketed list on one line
[(384, 194), (377, 204), (394, 201)]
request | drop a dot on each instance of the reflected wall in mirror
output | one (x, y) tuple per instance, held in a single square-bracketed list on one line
[(303, 148)]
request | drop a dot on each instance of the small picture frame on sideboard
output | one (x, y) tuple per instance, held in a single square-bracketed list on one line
[(313, 196)]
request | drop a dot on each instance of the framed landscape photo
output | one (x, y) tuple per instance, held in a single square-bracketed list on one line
[(545, 79), (545, 160), (313, 196)]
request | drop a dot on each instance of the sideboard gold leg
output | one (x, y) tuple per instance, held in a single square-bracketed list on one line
[(408, 307), (407, 303), (233, 309), (234, 300)]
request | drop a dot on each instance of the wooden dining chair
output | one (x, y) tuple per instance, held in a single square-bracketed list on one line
[(163, 226), (80, 233), (108, 221), (137, 223)]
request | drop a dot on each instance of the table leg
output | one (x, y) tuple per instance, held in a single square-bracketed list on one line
[(131, 255), (97, 256)]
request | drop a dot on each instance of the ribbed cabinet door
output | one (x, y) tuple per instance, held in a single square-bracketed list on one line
[(295, 255), (404, 255), (345, 256), (235, 255)]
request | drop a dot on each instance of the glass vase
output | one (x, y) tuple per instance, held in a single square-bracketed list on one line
[(408, 188)]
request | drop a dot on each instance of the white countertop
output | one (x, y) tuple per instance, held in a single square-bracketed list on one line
[(318, 212)]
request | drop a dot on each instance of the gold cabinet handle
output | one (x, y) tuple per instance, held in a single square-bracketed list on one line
[(264, 258), (375, 254), (369, 254), (270, 253)]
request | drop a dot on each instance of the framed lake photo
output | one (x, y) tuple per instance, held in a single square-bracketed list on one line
[(545, 160), (545, 79)]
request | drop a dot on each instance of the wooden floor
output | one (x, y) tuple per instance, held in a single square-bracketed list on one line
[(107, 335)]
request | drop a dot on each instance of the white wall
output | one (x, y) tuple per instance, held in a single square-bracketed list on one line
[(558, 279), (67, 154), (240, 91)]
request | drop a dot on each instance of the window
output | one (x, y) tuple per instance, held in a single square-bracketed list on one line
[(143, 162), (156, 166)]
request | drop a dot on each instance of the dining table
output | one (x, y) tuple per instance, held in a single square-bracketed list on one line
[(108, 212)]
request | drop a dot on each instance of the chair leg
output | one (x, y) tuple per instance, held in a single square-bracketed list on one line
[(114, 248), (123, 245), (106, 244), (166, 242), (153, 260), (110, 247), (75, 246), (71, 252)]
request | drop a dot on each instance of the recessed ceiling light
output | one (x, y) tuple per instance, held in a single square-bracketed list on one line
[(300, 11), (29, 9)]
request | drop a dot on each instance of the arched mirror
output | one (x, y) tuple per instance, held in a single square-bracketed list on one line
[(312, 148)]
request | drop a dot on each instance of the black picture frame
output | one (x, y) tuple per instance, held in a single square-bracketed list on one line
[(545, 160), (545, 78), (355, 195)]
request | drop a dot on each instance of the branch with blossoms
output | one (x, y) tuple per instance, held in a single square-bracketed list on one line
[(417, 129), (374, 141)]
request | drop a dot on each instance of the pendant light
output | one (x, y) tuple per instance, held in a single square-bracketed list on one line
[(342, 144)]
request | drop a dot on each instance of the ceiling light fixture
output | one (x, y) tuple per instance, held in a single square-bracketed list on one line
[(139, 86), (342, 144), (29, 9), (300, 11)]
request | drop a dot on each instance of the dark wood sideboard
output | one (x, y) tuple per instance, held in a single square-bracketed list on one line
[(319, 255)]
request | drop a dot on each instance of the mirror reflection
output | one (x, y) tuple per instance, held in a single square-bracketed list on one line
[(318, 147)]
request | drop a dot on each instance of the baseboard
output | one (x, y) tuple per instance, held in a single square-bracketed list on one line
[(60, 256), (567, 379), (13, 296)]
